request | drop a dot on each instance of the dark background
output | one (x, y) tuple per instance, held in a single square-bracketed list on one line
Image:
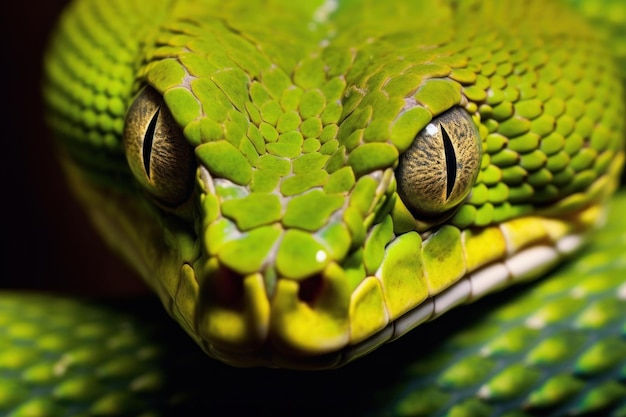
[(47, 240)]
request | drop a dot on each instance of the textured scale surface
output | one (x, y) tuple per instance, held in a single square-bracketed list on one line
[(300, 183)]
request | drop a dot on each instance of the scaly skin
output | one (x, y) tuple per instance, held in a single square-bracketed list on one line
[(300, 183)]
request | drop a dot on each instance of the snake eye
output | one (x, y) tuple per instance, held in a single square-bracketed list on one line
[(157, 152), (438, 170)]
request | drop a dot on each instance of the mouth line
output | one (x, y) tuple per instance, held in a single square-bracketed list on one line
[(526, 265)]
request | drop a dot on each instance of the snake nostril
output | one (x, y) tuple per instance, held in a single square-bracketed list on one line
[(310, 289), (229, 287)]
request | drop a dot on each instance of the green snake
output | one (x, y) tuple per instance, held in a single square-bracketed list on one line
[(302, 182)]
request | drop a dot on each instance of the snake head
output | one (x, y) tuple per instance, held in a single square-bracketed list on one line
[(307, 231), (299, 204)]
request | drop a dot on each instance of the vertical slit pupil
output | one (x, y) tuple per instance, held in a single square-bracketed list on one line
[(450, 161), (147, 141)]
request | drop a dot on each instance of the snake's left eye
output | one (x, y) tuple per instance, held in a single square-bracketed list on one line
[(157, 152), (437, 172)]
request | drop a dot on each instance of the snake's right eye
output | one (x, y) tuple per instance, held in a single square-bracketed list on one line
[(158, 154)]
